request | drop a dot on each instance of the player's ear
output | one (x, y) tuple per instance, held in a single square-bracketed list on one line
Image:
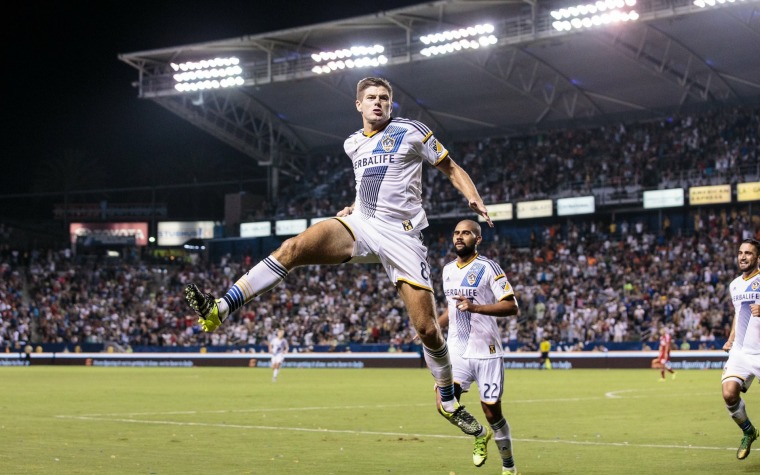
[(358, 105)]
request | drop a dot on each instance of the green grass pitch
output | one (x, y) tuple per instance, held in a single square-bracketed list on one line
[(88, 420)]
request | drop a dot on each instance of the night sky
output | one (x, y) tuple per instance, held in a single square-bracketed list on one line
[(68, 99)]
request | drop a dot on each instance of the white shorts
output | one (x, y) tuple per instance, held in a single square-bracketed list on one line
[(278, 358), (488, 373), (402, 253), (741, 368)]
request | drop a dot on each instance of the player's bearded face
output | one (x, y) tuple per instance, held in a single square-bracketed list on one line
[(465, 240), (747, 258), (464, 247)]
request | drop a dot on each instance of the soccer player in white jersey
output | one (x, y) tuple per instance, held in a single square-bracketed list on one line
[(383, 225), (743, 344), (278, 346), (477, 291)]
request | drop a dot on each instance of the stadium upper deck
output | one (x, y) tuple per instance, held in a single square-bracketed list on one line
[(674, 56)]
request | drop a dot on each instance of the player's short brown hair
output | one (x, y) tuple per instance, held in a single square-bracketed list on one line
[(753, 242), (369, 82)]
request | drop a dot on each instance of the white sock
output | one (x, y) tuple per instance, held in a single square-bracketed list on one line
[(260, 278)]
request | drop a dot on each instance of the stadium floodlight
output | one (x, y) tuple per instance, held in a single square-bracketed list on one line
[(713, 3), (450, 41), (207, 74), (348, 58), (603, 12)]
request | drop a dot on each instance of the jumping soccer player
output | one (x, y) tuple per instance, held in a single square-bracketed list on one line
[(383, 225)]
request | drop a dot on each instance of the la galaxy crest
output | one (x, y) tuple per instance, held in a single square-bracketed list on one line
[(387, 142), (473, 276), (755, 285)]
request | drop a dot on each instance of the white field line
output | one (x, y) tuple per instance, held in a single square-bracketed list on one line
[(126, 418), (608, 395), (391, 434)]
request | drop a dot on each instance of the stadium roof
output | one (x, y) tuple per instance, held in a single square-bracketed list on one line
[(676, 55)]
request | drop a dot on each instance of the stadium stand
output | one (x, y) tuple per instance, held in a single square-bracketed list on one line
[(608, 280)]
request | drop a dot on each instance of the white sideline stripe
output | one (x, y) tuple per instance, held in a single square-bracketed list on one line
[(307, 408), (239, 426), (393, 434), (608, 395), (236, 411)]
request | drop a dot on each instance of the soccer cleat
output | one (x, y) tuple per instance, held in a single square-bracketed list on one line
[(462, 419), (205, 307), (480, 450), (673, 376), (506, 471), (746, 444)]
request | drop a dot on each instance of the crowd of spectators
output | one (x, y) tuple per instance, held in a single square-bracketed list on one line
[(579, 286), (613, 162), (580, 283)]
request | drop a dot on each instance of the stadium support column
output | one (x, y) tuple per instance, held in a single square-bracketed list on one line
[(274, 181), (274, 168)]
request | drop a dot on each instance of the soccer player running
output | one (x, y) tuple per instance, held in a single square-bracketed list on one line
[(477, 290), (383, 225), (278, 346), (662, 362), (743, 343)]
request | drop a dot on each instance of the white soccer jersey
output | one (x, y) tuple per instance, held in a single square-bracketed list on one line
[(388, 171), (747, 330), (472, 335), (278, 346)]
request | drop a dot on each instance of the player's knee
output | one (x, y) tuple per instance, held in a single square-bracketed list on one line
[(730, 396), (492, 411), (429, 334)]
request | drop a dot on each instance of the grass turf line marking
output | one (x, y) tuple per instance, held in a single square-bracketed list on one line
[(392, 434), (607, 395), (240, 411)]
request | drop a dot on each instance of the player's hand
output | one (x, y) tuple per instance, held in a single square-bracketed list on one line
[(754, 309), (480, 208), (345, 211), (464, 304), (727, 346)]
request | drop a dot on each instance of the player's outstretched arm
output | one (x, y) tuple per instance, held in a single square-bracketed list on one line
[(462, 182)]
